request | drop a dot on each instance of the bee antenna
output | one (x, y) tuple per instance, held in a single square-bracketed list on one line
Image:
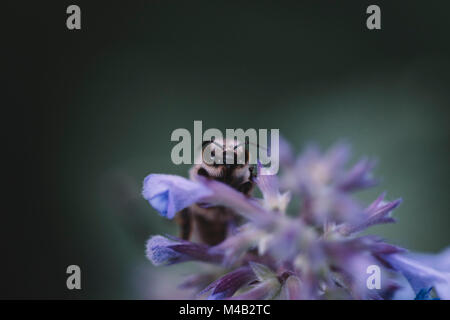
[(205, 143), (217, 144), (249, 143)]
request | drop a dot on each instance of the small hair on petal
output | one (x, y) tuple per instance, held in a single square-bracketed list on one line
[(165, 251), (158, 250)]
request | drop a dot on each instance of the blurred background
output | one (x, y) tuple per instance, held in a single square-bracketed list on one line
[(94, 110)]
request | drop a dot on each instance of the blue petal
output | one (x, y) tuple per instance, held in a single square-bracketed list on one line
[(159, 251), (439, 261), (169, 194), (420, 275), (160, 202)]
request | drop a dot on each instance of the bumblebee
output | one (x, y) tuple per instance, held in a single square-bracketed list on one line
[(211, 225)]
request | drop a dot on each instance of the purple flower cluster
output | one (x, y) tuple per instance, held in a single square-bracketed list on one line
[(313, 251)]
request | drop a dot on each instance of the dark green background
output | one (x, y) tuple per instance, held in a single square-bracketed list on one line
[(95, 109)]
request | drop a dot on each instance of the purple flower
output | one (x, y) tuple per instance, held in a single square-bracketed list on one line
[(269, 186), (169, 194), (286, 239), (263, 283), (422, 274), (235, 246), (227, 285), (359, 177), (313, 252), (377, 213), (440, 261), (164, 251), (352, 257), (324, 184), (316, 170)]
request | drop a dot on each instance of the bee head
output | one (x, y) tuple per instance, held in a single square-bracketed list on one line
[(225, 153)]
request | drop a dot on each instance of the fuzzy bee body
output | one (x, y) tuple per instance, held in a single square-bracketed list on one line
[(211, 225)]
